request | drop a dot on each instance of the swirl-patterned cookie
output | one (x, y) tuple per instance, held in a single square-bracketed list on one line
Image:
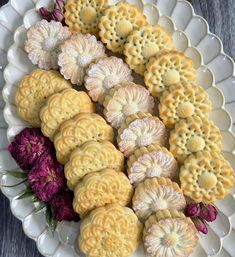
[(61, 107), (140, 129), (154, 194), (105, 74), (169, 233), (151, 161), (90, 157), (206, 177), (84, 15), (193, 135), (144, 43), (100, 188), (124, 100), (180, 102), (166, 69), (33, 91), (118, 22), (78, 130), (112, 230)]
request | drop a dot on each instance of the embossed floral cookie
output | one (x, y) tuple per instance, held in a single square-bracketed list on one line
[(140, 129), (105, 74), (154, 194), (206, 177), (145, 42), (117, 22), (151, 161), (84, 15), (124, 100), (77, 54), (112, 230), (100, 188), (90, 157), (33, 91), (169, 233), (166, 69), (194, 135), (78, 130), (61, 107), (181, 102)]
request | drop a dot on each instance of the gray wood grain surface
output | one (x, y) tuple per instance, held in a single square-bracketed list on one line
[(221, 17)]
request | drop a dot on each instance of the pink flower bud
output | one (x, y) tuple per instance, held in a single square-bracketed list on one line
[(208, 212), (57, 15), (59, 4), (192, 210), (45, 14), (200, 225)]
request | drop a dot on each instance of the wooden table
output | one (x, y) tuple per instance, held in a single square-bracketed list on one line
[(221, 17)]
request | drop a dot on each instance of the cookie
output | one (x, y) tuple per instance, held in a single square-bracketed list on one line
[(140, 129), (154, 194), (206, 177), (117, 22), (33, 91), (112, 230), (151, 161), (78, 130), (104, 75), (192, 135), (100, 188), (180, 102), (124, 100), (143, 43), (61, 107), (91, 157), (169, 233), (84, 15), (166, 69)]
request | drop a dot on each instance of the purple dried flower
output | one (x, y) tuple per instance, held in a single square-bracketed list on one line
[(46, 178), (208, 212), (200, 225), (57, 15), (62, 207), (45, 14), (192, 210), (59, 4), (28, 146)]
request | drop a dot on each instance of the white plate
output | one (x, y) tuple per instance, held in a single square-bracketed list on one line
[(221, 232)]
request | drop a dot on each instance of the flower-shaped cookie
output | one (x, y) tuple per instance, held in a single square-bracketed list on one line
[(61, 107), (193, 135), (206, 177), (124, 100), (33, 92), (100, 188), (169, 233), (43, 43), (117, 22), (140, 129), (77, 54), (90, 157), (156, 194), (166, 69), (144, 43), (112, 230), (78, 130), (151, 161), (105, 74), (84, 15), (180, 102)]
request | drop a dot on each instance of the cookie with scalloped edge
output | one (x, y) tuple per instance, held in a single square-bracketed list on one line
[(61, 107), (143, 43), (151, 161), (192, 135), (140, 129), (76, 131), (206, 177), (117, 22), (92, 156), (168, 233), (33, 91), (100, 188), (166, 69)]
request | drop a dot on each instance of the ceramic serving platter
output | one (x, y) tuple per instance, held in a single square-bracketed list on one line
[(215, 72)]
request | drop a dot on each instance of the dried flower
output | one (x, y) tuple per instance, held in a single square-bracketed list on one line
[(45, 14), (57, 15), (200, 225), (208, 212), (192, 210), (28, 146), (59, 4)]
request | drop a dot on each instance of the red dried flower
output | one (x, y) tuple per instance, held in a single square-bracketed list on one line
[(200, 225), (208, 212), (192, 210)]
